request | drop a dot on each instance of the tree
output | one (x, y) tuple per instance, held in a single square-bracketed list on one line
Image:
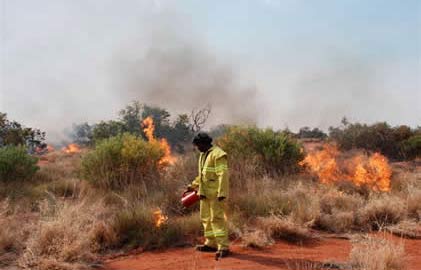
[(198, 117), (306, 132), (14, 133), (82, 134), (181, 132), (161, 119), (105, 130), (131, 117)]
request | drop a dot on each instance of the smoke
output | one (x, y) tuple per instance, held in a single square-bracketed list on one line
[(177, 71), (66, 62)]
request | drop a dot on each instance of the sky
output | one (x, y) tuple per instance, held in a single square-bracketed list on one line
[(274, 63)]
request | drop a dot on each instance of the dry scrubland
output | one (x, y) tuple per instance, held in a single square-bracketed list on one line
[(58, 220)]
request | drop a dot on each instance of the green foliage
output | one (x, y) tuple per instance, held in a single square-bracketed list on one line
[(16, 164), (275, 151), (105, 130), (177, 132), (411, 147), (13, 133), (380, 137), (121, 160), (306, 132)]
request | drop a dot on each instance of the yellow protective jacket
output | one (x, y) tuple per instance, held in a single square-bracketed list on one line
[(212, 180)]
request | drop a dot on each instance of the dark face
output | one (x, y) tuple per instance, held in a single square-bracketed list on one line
[(203, 147)]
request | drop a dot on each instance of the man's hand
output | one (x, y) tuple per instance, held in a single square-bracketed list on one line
[(189, 189), (202, 197), (221, 199)]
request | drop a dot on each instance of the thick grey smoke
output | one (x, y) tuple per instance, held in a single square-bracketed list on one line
[(177, 71), (65, 62)]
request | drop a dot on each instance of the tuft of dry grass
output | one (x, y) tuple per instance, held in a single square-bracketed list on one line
[(380, 211), (304, 203), (67, 233), (414, 203), (257, 239), (338, 211), (372, 253), (283, 228), (406, 228)]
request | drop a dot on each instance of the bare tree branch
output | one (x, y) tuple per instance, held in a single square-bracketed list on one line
[(198, 117)]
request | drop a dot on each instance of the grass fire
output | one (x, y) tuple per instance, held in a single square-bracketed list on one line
[(124, 190), (197, 135), (332, 166)]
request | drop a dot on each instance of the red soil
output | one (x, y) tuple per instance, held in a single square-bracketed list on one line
[(279, 256)]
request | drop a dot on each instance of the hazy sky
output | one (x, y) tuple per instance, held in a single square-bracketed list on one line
[(273, 62)]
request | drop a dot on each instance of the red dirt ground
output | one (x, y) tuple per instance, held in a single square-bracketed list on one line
[(279, 256)]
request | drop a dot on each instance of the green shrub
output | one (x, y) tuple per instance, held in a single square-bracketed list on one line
[(398, 143), (411, 147), (122, 160), (16, 164), (272, 150)]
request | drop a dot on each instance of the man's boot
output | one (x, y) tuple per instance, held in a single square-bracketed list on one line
[(205, 248), (222, 253)]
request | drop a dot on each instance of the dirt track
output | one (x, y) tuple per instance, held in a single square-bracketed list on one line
[(279, 256)]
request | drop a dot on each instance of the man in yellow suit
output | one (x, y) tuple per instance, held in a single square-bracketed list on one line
[(212, 184)]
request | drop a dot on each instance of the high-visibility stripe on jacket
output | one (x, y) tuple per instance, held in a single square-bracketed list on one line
[(212, 180)]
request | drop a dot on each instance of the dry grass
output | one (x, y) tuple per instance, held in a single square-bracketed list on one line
[(304, 203), (377, 254), (380, 211), (75, 223), (282, 228), (414, 203), (66, 233), (406, 228), (257, 239), (338, 211)]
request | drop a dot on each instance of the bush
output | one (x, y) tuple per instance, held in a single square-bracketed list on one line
[(411, 147), (274, 152), (122, 160), (396, 143), (16, 164)]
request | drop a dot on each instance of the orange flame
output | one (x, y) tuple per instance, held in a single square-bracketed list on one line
[(71, 149), (159, 218), (149, 129), (373, 171), (50, 148)]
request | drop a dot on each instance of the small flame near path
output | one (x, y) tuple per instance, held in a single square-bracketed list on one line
[(362, 170), (71, 149), (159, 218)]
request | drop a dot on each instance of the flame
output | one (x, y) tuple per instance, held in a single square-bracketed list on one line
[(50, 148), (330, 167), (71, 149), (159, 218), (149, 129)]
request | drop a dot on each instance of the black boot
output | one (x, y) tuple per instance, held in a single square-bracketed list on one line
[(222, 254), (205, 248)]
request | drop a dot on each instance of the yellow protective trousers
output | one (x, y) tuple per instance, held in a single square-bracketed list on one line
[(212, 214)]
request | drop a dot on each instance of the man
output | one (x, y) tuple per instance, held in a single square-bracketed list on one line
[(212, 185)]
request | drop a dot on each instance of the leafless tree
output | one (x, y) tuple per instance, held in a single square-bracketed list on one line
[(198, 117)]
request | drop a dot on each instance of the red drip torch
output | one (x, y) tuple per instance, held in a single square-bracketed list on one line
[(189, 198)]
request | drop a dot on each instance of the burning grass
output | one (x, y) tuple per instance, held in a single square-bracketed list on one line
[(76, 222), (332, 166)]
